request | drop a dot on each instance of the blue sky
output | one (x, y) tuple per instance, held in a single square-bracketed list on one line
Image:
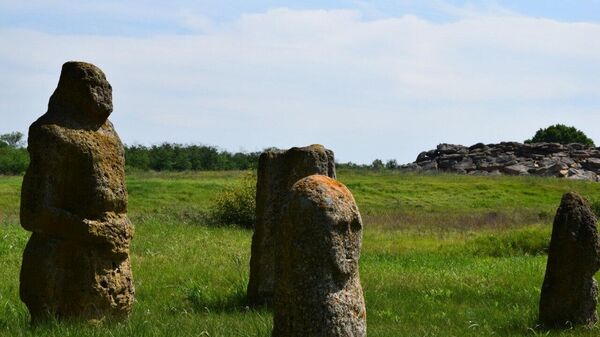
[(163, 17), (369, 79)]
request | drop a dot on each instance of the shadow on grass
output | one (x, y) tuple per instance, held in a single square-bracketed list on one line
[(533, 328), (444, 221), (202, 299)]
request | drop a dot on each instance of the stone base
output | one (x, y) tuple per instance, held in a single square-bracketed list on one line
[(72, 280)]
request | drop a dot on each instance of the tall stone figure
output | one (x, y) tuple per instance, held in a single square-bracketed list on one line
[(277, 172), (569, 290), (317, 287), (74, 200)]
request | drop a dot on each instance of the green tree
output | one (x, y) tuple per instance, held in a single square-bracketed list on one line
[(178, 157), (391, 164), (562, 134), (377, 164), (13, 139), (13, 160), (137, 156)]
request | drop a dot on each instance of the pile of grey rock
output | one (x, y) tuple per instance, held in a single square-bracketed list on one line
[(573, 161)]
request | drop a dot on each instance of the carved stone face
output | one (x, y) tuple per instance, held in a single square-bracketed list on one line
[(345, 237), (83, 93), (98, 97), (325, 218)]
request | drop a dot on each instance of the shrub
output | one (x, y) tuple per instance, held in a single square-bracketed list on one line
[(236, 204), (560, 133)]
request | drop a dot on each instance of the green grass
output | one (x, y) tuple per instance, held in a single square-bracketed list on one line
[(472, 267), (444, 200), (9, 198)]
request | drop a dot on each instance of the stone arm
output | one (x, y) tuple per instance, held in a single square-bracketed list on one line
[(42, 195), (38, 193), (37, 212), (114, 230), (50, 220)]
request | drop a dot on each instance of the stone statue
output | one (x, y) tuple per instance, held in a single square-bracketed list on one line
[(317, 285), (74, 201), (277, 172), (569, 290)]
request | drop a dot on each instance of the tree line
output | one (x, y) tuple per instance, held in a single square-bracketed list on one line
[(14, 158), (177, 157)]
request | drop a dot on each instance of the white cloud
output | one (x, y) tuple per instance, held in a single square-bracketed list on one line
[(490, 8), (383, 88), (195, 22)]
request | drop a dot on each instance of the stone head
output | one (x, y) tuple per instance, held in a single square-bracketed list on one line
[(83, 94), (304, 161), (576, 223), (328, 207)]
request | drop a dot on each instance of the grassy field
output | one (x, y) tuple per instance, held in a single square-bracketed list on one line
[(443, 255)]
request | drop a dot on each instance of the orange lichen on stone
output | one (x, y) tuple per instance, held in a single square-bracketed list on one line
[(333, 187), (327, 193)]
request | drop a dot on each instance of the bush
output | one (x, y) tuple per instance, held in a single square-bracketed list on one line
[(236, 205), (562, 134)]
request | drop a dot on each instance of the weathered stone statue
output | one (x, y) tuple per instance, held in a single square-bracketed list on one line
[(277, 172), (74, 200), (569, 291), (317, 287)]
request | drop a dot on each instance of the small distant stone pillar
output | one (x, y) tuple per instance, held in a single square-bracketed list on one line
[(569, 291), (277, 172), (317, 289), (74, 200)]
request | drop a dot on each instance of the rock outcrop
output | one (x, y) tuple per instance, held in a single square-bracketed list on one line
[(569, 290), (573, 161), (317, 289), (74, 200), (277, 172)]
